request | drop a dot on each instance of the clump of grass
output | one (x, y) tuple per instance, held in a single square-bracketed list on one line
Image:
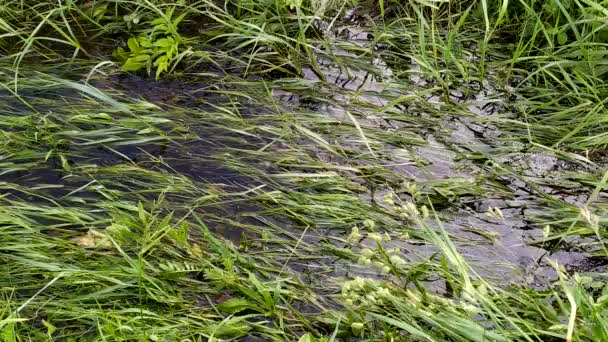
[(468, 307)]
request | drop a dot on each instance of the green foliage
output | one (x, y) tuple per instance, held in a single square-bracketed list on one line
[(156, 47), (311, 338), (292, 4)]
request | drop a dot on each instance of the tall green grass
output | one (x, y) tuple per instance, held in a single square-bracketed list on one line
[(124, 245)]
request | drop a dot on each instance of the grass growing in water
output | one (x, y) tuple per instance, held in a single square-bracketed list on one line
[(215, 210)]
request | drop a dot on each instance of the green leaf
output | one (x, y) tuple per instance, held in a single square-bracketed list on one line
[(142, 213), (229, 330), (8, 332), (100, 11), (562, 38), (141, 58), (307, 338), (162, 60), (234, 305), (180, 234), (261, 289), (165, 42), (169, 13), (144, 41), (104, 116), (133, 44), (158, 21), (132, 65), (179, 19), (161, 64), (50, 327), (161, 27), (64, 163), (414, 330), (600, 70), (291, 4), (120, 54)]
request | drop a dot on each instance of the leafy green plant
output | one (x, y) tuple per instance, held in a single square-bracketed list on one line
[(157, 48), (311, 338), (293, 4)]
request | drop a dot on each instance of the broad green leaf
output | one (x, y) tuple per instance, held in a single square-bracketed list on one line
[(133, 44), (8, 332), (100, 11), (141, 58), (132, 65), (158, 21), (229, 330), (120, 53), (161, 27), (161, 64), (165, 42), (562, 38), (234, 305), (144, 41), (307, 338)]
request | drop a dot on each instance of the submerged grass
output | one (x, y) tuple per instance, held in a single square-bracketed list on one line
[(206, 207)]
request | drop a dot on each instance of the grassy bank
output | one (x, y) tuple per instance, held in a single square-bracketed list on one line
[(303, 170)]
